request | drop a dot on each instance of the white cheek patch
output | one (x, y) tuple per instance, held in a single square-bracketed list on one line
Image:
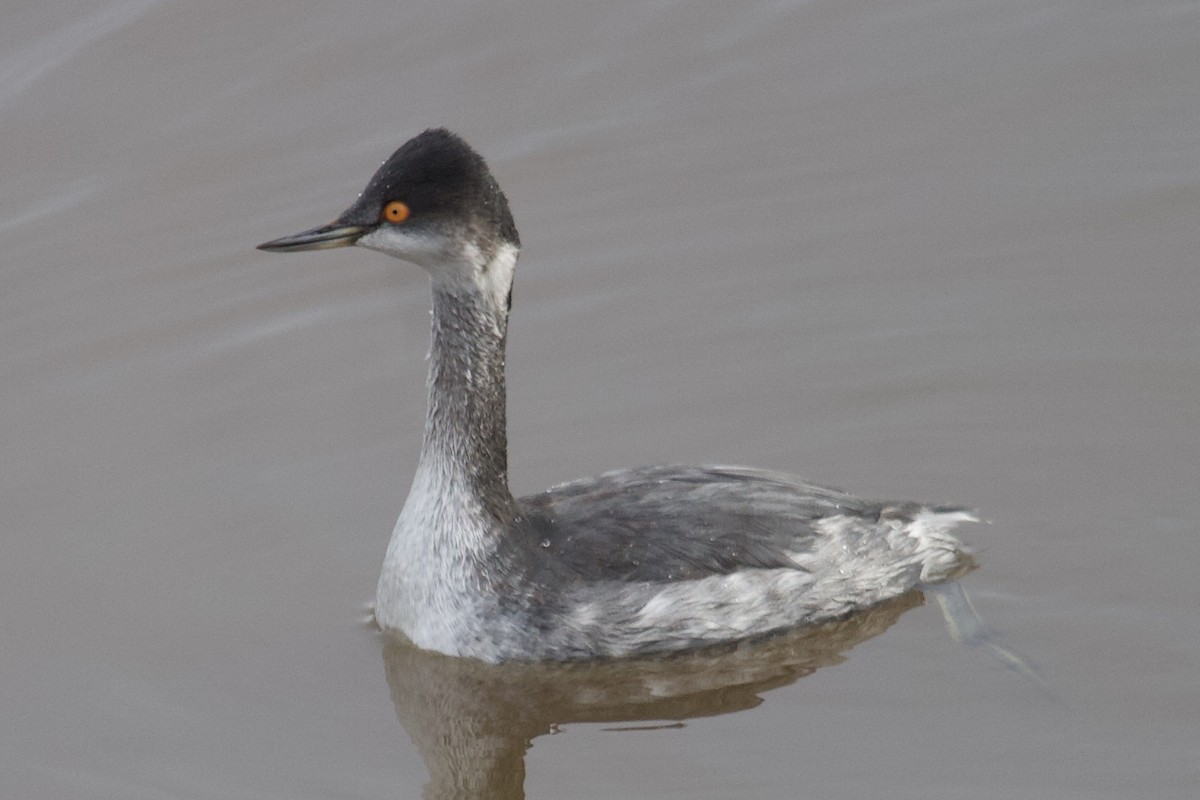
[(497, 276), (491, 278), (421, 249)]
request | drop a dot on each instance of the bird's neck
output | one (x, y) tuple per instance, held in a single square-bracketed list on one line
[(466, 444)]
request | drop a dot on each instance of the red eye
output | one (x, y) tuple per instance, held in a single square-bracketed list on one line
[(396, 212)]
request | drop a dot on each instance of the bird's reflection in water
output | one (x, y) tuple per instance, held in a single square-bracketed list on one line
[(472, 722)]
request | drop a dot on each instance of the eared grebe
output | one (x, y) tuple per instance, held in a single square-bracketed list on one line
[(633, 561)]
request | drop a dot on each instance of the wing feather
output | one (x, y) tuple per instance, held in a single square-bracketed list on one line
[(673, 523)]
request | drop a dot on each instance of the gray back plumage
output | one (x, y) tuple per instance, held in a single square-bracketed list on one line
[(674, 523)]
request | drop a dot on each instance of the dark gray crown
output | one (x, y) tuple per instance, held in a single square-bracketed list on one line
[(443, 181)]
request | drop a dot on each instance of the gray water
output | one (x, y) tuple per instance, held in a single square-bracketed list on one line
[(934, 250)]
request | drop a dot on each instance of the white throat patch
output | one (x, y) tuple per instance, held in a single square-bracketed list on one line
[(496, 277)]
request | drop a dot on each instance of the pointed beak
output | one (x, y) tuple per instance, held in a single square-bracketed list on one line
[(325, 237)]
